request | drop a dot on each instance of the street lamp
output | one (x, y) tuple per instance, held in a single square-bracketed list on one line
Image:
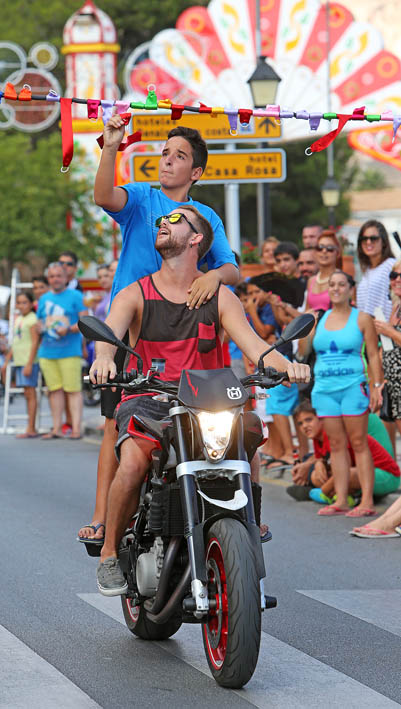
[(263, 84), (331, 197)]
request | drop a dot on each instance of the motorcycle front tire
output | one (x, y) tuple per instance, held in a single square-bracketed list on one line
[(231, 633), (140, 625)]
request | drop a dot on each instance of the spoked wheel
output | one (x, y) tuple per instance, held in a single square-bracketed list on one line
[(139, 624), (231, 633)]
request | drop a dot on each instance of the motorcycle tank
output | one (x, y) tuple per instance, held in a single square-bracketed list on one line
[(211, 389)]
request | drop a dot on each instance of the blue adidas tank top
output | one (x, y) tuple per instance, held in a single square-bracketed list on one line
[(339, 363)]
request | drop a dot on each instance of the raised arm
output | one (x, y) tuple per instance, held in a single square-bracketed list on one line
[(105, 194), (234, 322)]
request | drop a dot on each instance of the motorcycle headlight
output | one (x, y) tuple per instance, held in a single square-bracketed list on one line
[(216, 432)]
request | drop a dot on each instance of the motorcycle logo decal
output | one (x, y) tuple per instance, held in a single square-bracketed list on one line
[(234, 392), (194, 389)]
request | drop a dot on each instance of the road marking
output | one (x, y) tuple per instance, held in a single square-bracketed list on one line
[(27, 680), (284, 677), (381, 608)]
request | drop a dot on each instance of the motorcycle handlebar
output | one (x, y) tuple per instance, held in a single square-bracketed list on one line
[(269, 379)]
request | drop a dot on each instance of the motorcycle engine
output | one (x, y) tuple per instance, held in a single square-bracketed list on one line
[(148, 569)]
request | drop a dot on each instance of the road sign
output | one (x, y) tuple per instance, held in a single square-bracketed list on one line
[(222, 167), (156, 125)]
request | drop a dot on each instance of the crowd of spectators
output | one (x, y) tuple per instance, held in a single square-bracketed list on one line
[(46, 337), (353, 463)]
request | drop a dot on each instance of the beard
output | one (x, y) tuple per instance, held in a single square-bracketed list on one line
[(170, 248)]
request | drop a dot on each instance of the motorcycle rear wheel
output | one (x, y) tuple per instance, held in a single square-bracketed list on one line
[(140, 625), (231, 633)]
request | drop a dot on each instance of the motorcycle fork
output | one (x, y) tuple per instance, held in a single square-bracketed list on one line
[(193, 530), (244, 484)]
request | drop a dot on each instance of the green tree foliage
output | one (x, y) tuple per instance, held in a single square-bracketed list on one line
[(370, 179), (36, 198)]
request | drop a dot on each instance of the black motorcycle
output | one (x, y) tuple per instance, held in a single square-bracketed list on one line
[(193, 553)]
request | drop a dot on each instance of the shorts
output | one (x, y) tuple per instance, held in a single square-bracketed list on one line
[(22, 381), (385, 483), (65, 373), (110, 399), (282, 400), (143, 406), (352, 401)]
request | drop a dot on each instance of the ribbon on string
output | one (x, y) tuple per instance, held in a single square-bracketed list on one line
[(244, 115), (151, 101), (107, 107), (10, 92), (314, 120), (387, 116), (203, 108), (176, 111), (303, 115), (286, 113), (343, 118), (233, 120), (122, 106), (25, 94), (396, 125), (67, 138), (164, 103), (52, 96), (133, 138), (1, 95), (93, 108)]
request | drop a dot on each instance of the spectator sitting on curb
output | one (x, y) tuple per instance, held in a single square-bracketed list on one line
[(313, 478)]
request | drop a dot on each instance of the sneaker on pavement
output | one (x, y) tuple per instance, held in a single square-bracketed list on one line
[(299, 492), (110, 579)]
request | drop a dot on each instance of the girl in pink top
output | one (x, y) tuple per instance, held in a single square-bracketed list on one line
[(328, 257)]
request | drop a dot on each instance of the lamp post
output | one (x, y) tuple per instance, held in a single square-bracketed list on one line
[(263, 84), (331, 198)]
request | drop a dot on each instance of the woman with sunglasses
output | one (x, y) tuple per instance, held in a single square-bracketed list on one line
[(376, 261), (328, 257), (340, 395)]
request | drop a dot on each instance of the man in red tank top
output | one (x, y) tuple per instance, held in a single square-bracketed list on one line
[(154, 312)]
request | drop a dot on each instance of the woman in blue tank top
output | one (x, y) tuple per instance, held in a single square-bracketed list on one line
[(340, 392)]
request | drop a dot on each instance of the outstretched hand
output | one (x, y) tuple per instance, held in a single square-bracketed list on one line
[(202, 289)]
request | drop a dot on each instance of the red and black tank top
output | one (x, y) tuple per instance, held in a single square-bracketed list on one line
[(186, 339)]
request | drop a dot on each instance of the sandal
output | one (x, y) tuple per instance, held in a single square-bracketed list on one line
[(367, 532), (331, 511), (361, 512), (91, 540)]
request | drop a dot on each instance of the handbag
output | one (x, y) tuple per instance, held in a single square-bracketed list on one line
[(385, 411)]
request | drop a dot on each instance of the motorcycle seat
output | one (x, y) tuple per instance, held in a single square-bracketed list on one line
[(156, 428)]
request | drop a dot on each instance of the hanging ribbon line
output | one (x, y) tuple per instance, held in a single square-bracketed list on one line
[(152, 104), (67, 137)]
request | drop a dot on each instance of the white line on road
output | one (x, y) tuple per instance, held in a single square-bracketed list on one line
[(27, 680), (381, 608), (284, 677)]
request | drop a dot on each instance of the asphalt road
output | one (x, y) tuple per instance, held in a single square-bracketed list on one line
[(333, 641)]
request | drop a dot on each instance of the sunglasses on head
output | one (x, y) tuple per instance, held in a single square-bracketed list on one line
[(67, 263), (369, 238), (323, 247), (393, 275), (173, 219)]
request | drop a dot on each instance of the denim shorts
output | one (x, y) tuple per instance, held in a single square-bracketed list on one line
[(22, 381)]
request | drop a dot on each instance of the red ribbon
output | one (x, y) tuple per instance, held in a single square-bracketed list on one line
[(67, 138), (10, 92), (203, 108), (134, 138), (25, 95), (93, 108), (343, 118), (176, 111)]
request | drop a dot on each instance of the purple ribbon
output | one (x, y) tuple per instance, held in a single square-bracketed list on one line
[(314, 120), (107, 107)]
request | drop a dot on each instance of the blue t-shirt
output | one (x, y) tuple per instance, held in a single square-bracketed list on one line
[(137, 220), (60, 310)]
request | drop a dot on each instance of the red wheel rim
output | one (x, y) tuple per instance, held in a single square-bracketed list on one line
[(216, 628), (132, 610)]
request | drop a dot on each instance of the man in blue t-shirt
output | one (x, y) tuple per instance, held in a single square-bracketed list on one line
[(61, 348), (136, 207)]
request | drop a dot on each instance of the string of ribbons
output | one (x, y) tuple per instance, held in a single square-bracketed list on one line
[(152, 103)]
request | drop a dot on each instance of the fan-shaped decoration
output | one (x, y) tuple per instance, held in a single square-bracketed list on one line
[(210, 55)]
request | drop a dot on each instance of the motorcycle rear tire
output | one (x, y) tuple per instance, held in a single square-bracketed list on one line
[(231, 639), (140, 625)]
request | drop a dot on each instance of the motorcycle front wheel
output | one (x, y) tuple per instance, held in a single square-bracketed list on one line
[(231, 633), (140, 625)]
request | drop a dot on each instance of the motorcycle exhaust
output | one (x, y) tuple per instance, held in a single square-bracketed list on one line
[(169, 558), (174, 599)]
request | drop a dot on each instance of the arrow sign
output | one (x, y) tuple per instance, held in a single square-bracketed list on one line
[(268, 125), (146, 169)]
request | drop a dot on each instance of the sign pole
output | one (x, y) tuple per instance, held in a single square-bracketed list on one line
[(232, 210)]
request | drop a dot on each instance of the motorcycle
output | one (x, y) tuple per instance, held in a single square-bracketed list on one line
[(193, 552)]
